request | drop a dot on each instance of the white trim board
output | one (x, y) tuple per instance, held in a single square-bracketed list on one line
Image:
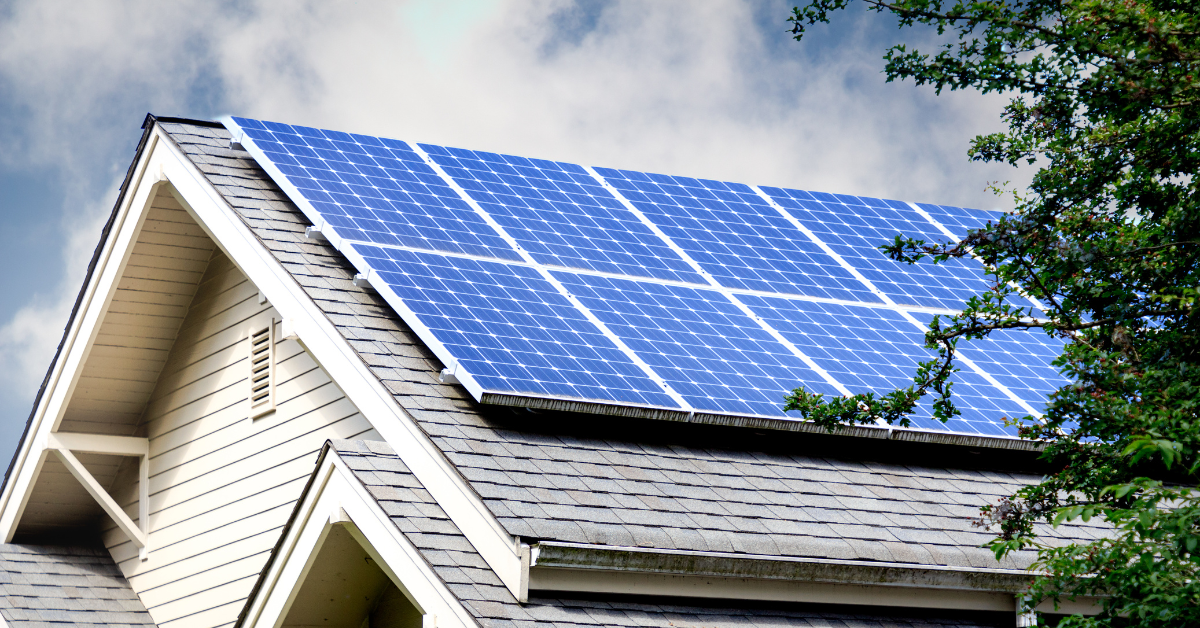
[(332, 351), (336, 497), (77, 344)]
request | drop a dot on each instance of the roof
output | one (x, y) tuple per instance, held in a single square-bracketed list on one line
[(553, 285), (644, 484), (443, 546), (65, 586)]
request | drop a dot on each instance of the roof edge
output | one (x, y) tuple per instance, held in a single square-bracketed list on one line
[(105, 232), (151, 119), (552, 555)]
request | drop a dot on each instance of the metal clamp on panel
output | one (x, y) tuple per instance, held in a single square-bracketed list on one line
[(315, 233), (362, 280)]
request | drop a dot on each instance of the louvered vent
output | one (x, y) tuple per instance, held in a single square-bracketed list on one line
[(262, 370)]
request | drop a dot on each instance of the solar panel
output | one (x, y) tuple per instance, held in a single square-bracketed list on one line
[(1021, 362), (629, 292), (561, 215), (509, 328), (959, 219), (708, 350), (873, 349), (374, 190), (854, 227), (734, 235)]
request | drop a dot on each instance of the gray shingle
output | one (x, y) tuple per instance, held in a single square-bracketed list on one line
[(66, 586), (490, 603)]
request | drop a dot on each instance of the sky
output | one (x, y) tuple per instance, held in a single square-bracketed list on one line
[(713, 89)]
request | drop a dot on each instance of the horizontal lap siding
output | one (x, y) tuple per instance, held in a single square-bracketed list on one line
[(221, 485)]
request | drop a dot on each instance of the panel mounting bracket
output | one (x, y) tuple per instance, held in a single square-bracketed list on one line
[(315, 233), (362, 280), (449, 375)]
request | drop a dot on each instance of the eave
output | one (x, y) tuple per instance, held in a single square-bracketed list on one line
[(574, 567)]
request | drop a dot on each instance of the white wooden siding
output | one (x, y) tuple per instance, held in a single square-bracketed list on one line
[(222, 485)]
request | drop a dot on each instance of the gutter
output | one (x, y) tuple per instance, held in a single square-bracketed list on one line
[(552, 557)]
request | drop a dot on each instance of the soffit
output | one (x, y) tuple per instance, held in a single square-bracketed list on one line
[(118, 378)]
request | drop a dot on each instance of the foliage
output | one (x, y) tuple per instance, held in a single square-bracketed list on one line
[(1106, 104)]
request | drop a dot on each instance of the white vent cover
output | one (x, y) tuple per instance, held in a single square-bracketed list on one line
[(262, 370)]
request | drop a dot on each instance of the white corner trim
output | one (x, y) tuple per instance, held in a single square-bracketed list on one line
[(99, 444), (331, 350), (336, 497), (65, 444), (96, 296)]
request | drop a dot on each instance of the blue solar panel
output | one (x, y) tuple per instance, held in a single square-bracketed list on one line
[(375, 190), (854, 227), (717, 358), (877, 350), (734, 235), (1021, 362), (510, 329), (960, 219), (561, 215)]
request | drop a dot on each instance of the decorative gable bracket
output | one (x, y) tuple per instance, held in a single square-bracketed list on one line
[(66, 444)]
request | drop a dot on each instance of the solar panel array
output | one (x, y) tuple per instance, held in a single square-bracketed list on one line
[(540, 282)]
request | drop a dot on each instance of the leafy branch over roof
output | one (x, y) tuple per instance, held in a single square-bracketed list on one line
[(1106, 104)]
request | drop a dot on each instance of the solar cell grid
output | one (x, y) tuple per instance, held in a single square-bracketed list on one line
[(510, 328), (735, 236), (854, 227), (1021, 362), (877, 350), (561, 215), (958, 219), (375, 190), (717, 358), (514, 333)]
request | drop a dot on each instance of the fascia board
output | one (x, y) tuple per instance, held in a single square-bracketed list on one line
[(331, 350), (600, 569), (577, 556), (335, 496), (77, 344), (591, 583)]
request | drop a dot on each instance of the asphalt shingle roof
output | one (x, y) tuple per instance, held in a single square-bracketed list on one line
[(620, 489), (429, 529), (51, 585)]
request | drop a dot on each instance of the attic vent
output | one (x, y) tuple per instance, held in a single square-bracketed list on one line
[(262, 370)]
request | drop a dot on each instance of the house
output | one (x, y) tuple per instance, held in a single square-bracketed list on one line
[(265, 411)]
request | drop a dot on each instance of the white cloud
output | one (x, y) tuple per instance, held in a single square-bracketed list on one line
[(28, 339), (696, 88)]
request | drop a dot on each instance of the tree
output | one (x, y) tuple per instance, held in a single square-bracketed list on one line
[(1106, 104)]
